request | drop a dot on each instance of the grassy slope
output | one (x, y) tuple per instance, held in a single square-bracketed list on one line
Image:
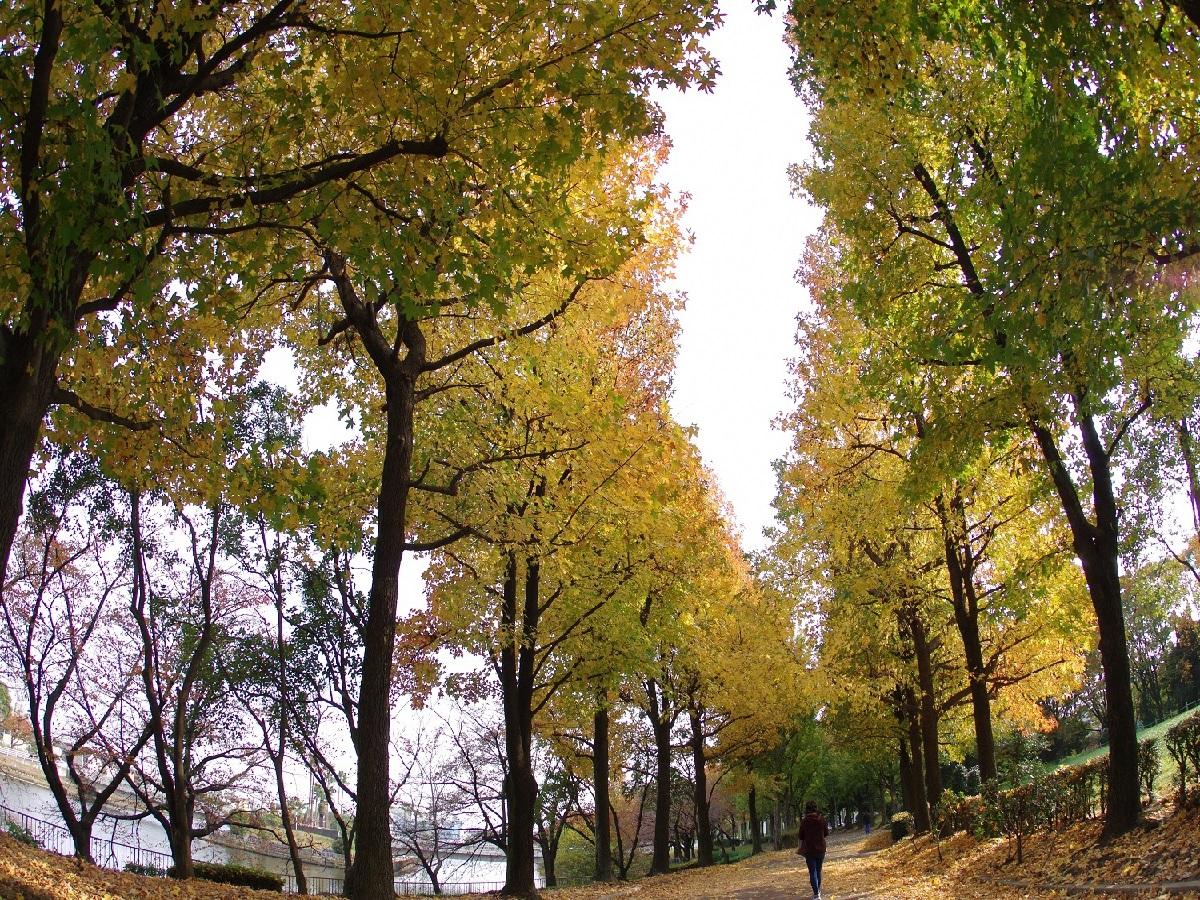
[(1166, 775)]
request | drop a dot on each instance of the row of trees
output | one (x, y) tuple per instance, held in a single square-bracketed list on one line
[(446, 221), (996, 393), (198, 655)]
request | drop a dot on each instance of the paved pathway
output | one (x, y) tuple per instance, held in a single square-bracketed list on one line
[(785, 876), (854, 874)]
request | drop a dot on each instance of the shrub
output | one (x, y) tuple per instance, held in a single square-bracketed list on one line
[(145, 869), (954, 813), (1067, 795), (902, 825), (239, 875), (1149, 765), (23, 834), (1183, 743)]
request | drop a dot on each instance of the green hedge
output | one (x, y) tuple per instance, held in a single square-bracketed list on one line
[(239, 875), (1067, 795)]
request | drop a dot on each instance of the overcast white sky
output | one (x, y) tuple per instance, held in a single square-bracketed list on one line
[(731, 150)]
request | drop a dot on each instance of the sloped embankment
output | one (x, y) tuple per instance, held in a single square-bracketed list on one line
[(30, 874)]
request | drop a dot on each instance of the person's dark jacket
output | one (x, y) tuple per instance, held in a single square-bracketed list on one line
[(813, 830)]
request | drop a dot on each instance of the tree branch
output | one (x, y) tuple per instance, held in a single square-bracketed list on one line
[(432, 148), (66, 397), (484, 343)]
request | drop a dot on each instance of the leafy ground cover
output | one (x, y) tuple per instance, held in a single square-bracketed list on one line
[(1159, 852), (27, 873)]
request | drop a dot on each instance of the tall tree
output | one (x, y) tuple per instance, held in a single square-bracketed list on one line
[(502, 259)]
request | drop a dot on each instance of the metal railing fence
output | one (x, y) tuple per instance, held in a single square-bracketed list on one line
[(113, 854)]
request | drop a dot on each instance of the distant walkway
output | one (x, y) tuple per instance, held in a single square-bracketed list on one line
[(773, 875)]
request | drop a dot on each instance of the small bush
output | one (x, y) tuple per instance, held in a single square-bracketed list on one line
[(1149, 765), (239, 875), (1183, 743), (902, 825), (1067, 795), (22, 834), (145, 869)]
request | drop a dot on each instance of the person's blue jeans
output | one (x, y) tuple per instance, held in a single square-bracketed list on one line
[(814, 870)]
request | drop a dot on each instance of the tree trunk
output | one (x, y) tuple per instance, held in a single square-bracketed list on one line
[(548, 855), (286, 816), (519, 631), (604, 860), (704, 841), (755, 830), (928, 710), (1097, 548), (29, 359), (179, 836), (960, 566), (81, 838), (920, 800), (981, 703), (660, 861), (372, 874), (278, 757)]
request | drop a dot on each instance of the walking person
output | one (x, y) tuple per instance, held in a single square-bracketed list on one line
[(813, 831)]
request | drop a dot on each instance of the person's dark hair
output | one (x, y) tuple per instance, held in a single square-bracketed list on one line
[(810, 806)]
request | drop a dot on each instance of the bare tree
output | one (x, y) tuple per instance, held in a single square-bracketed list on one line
[(481, 767), (182, 608), (63, 638), (326, 657), (431, 803), (261, 679)]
